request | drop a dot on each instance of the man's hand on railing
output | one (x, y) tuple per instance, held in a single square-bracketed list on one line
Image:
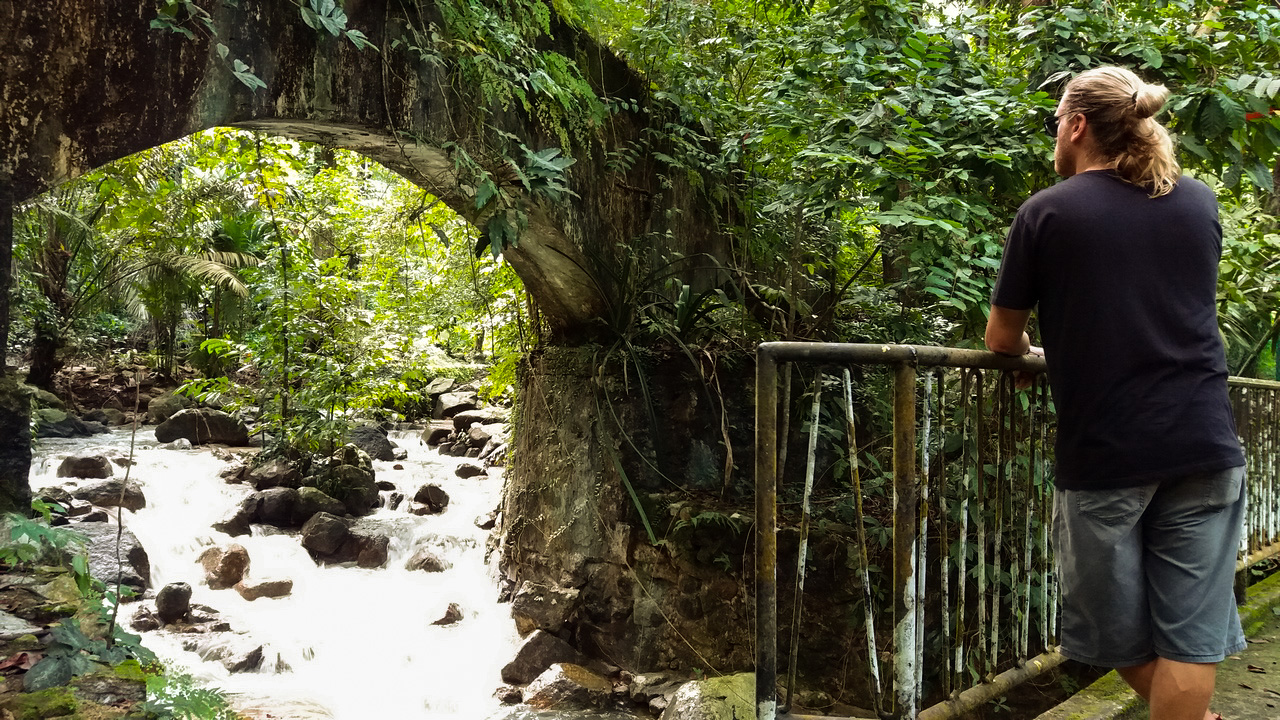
[(1021, 379)]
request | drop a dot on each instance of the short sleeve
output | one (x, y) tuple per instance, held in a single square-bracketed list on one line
[(1016, 286)]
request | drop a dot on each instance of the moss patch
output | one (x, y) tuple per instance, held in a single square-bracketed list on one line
[(50, 703)]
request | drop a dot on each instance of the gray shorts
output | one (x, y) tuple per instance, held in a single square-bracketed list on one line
[(1147, 571)]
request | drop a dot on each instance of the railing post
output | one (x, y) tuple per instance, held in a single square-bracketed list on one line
[(766, 535), (906, 672)]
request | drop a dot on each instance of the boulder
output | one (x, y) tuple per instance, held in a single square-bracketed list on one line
[(542, 607), (347, 477), (173, 602), (111, 493), (488, 521), (134, 567), (106, 416), (485, 416), (224, 566), (478, 435), (468, 470), (450, 404), (324, 534), (508, 695), (237, 522), (566, 686), (274, 473), (433, 497), (427, 560), (253, 589), (370, 550), (278, 506), (438, 386), (164, 407), (399, 453), (644, 688), (46, 399), (719, 698), (244, 661), (538, 652), (313, 500), (86, 466), (234, 473), (372, 440), (52, 423), (201, 426), (437, 433), (452, 614)]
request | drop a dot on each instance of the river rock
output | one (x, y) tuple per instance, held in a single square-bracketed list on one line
[(719, 698), (234, 473), (112, 493), (452, 614), (86, 466), (244, 661), (437, 432), (485, 416), (438, 386), (237, 522), (347, 476), (224, 566), (565, 686), (135, 570), (274, 473), (542, 607), (278, 506), (173, 602), (394, 500), (478, 436), (52, 423), (46, 399), (427, 560), (645, 687), (313, 500), (254, 589), (468, 470), (450, 404), (433, 497), (372, 440), (145, 620), (538, 652), (508, 694), (201, 426), (164, 407), (324, 534), (106, 416), (371, 550), (56, 495)]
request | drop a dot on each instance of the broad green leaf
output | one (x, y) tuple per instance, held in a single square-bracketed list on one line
[(1258, 173)]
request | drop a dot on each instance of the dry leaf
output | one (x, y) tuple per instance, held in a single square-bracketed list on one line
[(1256, 669)]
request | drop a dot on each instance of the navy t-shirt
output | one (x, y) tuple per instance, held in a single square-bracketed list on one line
[(1125, 286)]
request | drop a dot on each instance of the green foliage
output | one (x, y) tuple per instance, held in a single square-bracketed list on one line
[(34, 541), (177, 696)]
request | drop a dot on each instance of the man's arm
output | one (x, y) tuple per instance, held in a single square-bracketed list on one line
[(1007, 331)]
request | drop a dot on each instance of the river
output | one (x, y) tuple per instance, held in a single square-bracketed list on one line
[(348, 643)]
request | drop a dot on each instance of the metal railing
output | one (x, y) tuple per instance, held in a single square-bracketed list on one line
[(971, 495)]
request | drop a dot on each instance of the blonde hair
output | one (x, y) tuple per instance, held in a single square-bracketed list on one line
[(1121, 108)]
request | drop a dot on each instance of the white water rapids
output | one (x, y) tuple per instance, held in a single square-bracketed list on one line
[(359, 643)]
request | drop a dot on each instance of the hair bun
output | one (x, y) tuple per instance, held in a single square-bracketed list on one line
[(1149, 100)]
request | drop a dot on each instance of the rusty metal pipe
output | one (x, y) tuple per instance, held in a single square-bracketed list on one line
[(922, 355), (906, 672), (766, 535)]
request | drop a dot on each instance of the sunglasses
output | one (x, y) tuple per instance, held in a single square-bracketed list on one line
[(1051, 124)]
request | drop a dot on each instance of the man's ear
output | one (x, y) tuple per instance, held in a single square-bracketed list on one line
[(1077, 127)]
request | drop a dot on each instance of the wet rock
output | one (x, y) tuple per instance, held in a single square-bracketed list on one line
[(473, 452), (105, 687), (134, 569), (542, 607), (112, 493), (397, 466), (244, 661), (56, 495), (202, 425), (468, 470), (348, 477), (438, 386), (278, 506), (179, 444), (508, 695), (445, 448), (52, 423), (224, 566), (324, 534), (237, 522), (385, 485), (160, 409), (427, 560), (487, 522), (437, 432), (452, 614), (399, 453), (371, 550), (46, 399), (394, 500), (254, 589), (566, 686), (485, 416), (647, 686), (714, 699), (313, 500), (95, 515), (232, 474), (538, 652), (107, 416), (433, 497), (173, 602), (450, 404), (144, 620), (372, 440), (274, 473)]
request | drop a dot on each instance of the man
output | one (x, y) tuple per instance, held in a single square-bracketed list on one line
[(1120, 261)]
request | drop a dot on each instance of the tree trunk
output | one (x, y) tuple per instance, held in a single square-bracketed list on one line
[(6, 266), (44, 356)]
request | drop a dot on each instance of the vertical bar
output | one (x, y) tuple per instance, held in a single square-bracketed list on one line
[(873, 655), (922, 512), (766, 535), (944, 533), (906, 681), (803, 553), (962, 573), (980, 470), (6, 262), (1032, 498)]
